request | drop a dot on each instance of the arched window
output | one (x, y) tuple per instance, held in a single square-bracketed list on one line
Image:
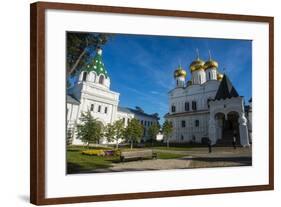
[(101, 79), (84, 78), (209, 75), (173, 109)]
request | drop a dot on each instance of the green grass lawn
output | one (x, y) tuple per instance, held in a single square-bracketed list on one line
[(79, 163), (166, 155)]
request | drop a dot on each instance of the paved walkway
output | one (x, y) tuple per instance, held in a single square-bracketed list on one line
[(195, 158)]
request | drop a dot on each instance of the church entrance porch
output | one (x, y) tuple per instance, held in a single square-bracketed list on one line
[(226, 127)]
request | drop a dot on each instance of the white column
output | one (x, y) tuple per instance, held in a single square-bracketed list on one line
[(212, 130), (243, 131)]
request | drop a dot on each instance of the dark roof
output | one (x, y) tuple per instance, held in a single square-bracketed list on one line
[(136, 111), (226, 89), (124, 109), (72, 100)]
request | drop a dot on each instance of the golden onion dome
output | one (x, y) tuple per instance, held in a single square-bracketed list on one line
[(179, 72), (196, 65), (211, 64), (219, 76)]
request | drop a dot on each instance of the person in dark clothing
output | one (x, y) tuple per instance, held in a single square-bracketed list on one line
[(234, 140), (210, 145)]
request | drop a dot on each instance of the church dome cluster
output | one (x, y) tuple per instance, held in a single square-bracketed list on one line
[(199, 64), (201, 71)]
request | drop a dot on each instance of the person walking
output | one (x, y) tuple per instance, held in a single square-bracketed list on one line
[(210, 146)]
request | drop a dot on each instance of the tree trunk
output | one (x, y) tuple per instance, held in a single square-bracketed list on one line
[(168, 145), (117, 144), (131, 144), (73, 68)]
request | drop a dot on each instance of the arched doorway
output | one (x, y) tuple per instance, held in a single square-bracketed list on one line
[(232, 126), (226, 127)]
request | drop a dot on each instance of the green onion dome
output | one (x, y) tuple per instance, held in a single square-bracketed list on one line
[(96, 65)]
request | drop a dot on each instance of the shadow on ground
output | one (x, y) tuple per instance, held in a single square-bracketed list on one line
[(243, 160), (73, 168)]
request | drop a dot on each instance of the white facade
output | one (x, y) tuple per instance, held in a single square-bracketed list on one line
[(72, 108), (96, 98), (146, 120), (181, 100), (198, 110), (92, 93)]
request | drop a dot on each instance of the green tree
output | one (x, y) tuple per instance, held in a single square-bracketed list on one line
[(90, 129), (133, 132), (115, 131), (153, 131), (109, 132), (79, 47), (167, 129)]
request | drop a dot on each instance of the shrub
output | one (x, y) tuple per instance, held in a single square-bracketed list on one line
[(94, 152), (117, 152), (101, 152)]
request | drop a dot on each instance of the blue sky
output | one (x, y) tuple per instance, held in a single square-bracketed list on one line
[(141, 67)]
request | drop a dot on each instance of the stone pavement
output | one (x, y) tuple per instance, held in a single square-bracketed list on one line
[(195, 158)]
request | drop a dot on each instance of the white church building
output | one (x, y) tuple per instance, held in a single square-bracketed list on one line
[(92, 93), (206, 107)]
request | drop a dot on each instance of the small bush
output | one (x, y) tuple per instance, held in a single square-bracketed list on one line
[(94, 152), (117, 152), (101, 152)]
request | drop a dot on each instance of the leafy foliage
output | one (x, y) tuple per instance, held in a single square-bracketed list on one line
[(167, 129), (90, 130), (115, 131), (134, 131), (79, 46), (153, 131)]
